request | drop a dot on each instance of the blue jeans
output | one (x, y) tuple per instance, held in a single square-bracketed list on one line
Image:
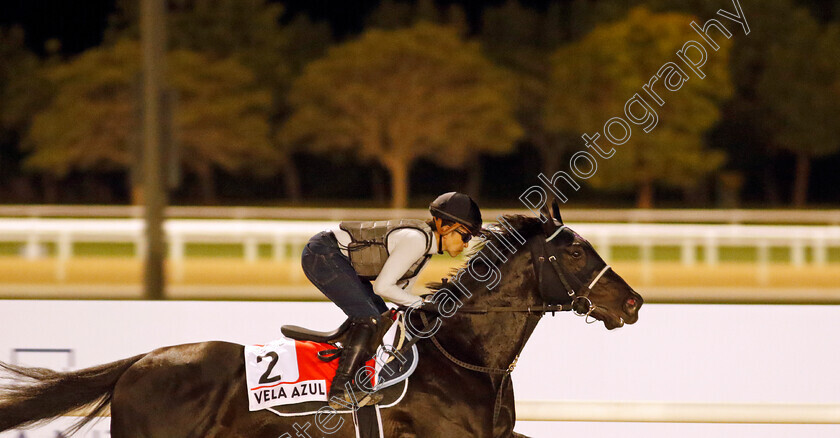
[(331, 272)]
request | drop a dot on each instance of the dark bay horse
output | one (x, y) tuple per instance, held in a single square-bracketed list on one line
[(461, 386)]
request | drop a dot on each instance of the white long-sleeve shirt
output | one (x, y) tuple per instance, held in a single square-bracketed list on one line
[(405, 246)]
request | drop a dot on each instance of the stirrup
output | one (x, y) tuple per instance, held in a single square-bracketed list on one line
[(330, 355), (367, 399), (371, 398)]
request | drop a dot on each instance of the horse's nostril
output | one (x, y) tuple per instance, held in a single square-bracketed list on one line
[(631, 303)]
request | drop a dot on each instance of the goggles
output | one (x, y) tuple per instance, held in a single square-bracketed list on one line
[(465, 236)]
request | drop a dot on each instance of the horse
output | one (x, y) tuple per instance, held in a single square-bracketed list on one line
[(461, 386)]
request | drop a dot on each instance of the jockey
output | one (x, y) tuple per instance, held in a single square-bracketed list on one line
[(343, 261)]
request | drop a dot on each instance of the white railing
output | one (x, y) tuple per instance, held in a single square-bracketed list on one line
[(64, 233), (288, 237), (678, 412), (721, 216)]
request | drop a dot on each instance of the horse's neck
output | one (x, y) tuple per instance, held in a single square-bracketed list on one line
[(494, 339)]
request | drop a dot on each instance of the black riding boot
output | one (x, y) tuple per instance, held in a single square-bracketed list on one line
[(357, 350)]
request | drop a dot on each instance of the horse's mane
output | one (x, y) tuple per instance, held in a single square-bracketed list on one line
[(526, 226)]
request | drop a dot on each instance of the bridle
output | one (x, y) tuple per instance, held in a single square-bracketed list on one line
[(554, 300), (580, 303)]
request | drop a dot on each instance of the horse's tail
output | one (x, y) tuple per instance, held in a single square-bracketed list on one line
[(38, 394)]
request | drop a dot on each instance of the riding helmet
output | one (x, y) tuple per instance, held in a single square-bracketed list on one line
[(457, 207)]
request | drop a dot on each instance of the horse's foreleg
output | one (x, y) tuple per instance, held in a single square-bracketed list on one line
[(506, 419)]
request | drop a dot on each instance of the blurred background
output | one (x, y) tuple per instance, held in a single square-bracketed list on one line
[(275, 119), (188, 149), (245, 76)]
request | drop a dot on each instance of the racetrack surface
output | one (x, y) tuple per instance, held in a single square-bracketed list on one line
[(234, 278)]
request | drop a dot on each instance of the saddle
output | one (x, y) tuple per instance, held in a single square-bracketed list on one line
[(294, 362), (304, 334), (337, 336)]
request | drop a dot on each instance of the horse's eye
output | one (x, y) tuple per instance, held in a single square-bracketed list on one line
[(576, 254)]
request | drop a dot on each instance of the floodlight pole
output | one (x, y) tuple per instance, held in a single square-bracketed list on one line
[(153, 36)]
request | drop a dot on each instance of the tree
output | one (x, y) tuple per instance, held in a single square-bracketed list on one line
[(593, 78), (521, 40), (246, 29), (796, 113), (304, 41), (741, 132), (782, 70), (250, 32), (391, 14), (21, 88), (92, 121), (396, 95), (800, 90), (23, 91)]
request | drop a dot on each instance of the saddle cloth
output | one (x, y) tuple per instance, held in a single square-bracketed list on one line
[(287, 377)]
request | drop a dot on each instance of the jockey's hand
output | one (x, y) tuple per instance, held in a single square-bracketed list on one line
[(426, 305), (430, 307)]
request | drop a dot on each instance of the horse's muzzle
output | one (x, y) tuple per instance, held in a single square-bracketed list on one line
[(631, 308)]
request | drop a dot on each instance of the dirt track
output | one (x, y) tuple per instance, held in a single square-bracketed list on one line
[(227, 278)]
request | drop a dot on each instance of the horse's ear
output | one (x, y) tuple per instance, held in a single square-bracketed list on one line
[(548, 225), (555, 210), (545, 212)]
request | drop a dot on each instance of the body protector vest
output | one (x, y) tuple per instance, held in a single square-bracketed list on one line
[(368, 249)]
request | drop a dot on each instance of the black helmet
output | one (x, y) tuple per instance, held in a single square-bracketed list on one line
[(457, 207)]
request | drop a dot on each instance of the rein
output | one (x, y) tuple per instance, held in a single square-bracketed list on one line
[(504, 372), (541, 310)]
